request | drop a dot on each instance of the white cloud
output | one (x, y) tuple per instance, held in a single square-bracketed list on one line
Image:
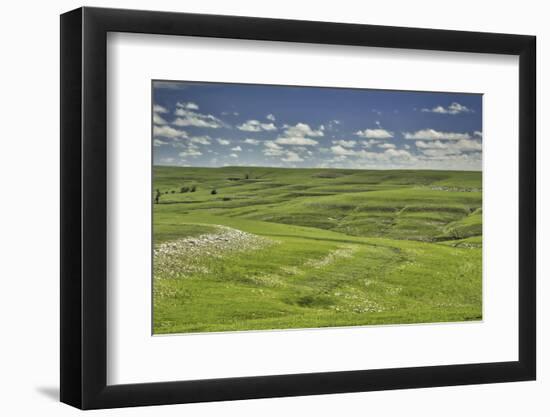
[(157, 108), (345, 143), (370, 143), (270, 117), (187, 105), (478, 134), (256, 126), (438, 148), (375, 133), (190, 152), (251, 141), (158, 142), (234, 155), (237, 149), (303, 130), (389, 155), (340, 150), (230, 113), (431, 134), (223, 142), (191, 118), (397, 154), (272, 149), (168, 132), (203, 140), (158, 120), (292, 157), (300, 135), (453, 108), (386, 146), (299, 141)]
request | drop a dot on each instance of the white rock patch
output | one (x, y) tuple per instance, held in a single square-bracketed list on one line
[(186, 256)]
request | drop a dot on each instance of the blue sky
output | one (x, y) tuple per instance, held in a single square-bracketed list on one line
[(221, 124)]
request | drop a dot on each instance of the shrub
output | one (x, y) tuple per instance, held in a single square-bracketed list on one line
[(213, 191), (193, 188), (184, 189), (226, 199)]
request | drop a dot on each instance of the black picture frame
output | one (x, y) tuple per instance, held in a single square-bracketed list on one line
[(84, 207)]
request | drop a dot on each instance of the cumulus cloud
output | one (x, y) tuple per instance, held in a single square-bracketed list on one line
[(303, 130), (370, 143), (157, 108), (189, 105), (191, 151), (168, 132), (299, 135), (234, 155), (345, 143), (237, 149), (375, 133), (431, 134), (453, 108), (223, 142), (386, 146), (340, 150), (438, 148), (158, 120), (203, 140), (292, 157), (256, 126), (287, 155), (270, 117), (389, 154), (272, 149), (251, 141), (159, 142), (478, 134), (298, 141), (191, 118)]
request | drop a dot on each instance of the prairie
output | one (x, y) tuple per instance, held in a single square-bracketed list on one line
[(249, 248)]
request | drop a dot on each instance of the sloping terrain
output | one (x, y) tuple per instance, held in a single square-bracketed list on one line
[(327, 248)]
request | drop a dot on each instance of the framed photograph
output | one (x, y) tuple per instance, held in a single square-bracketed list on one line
[(261, 208)]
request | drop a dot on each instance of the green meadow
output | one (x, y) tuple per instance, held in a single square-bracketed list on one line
[(243, 248)]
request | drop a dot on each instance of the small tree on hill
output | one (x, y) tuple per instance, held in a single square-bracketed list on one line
[(157, 196), (213, 191)]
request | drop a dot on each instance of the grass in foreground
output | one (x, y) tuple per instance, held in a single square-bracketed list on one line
[(314, 248)]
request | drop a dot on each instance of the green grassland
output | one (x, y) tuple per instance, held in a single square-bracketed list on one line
[(278, 248)]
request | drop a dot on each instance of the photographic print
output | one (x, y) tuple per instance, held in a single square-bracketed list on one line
[(297, 207)]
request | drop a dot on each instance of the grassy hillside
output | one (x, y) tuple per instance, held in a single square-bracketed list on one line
[(287, 248)]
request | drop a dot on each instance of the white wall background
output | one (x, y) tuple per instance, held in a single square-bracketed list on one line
[(29, 177)]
